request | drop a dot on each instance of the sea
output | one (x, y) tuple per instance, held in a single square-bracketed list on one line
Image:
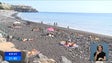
[(100, 23)]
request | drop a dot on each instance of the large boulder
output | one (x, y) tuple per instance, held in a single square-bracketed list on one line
[(43, 59), (10, 47), (41, 56), (2, 40), (7, 46), (4, 62), (46, 61), (65, 60)]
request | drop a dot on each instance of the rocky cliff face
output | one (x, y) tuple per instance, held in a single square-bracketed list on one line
[(19, 8), (5, 6), (22, 8)]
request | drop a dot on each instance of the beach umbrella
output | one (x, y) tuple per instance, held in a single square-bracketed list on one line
[(50, 29)]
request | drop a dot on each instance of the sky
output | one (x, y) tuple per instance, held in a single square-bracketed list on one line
[(81, 6)]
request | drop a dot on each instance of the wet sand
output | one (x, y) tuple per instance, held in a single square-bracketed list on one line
[(50, 46)]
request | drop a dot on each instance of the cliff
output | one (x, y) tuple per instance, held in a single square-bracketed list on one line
[(19, 8), (5, 6), (22, 8)]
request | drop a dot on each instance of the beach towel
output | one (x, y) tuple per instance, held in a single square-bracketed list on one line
[(50, 29)]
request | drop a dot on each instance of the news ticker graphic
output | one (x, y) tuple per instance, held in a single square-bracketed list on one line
[(13, 56)]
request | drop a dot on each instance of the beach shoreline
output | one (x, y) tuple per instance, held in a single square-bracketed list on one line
[(90, 33), (91, 23)]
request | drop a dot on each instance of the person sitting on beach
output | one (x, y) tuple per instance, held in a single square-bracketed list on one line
[(33, 52), (24, 39), (9, 38), (36, 29), (97, 39), (66, 43), (50, 35), (71, 44)]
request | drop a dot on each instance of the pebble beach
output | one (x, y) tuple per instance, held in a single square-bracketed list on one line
[(50, 45)]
